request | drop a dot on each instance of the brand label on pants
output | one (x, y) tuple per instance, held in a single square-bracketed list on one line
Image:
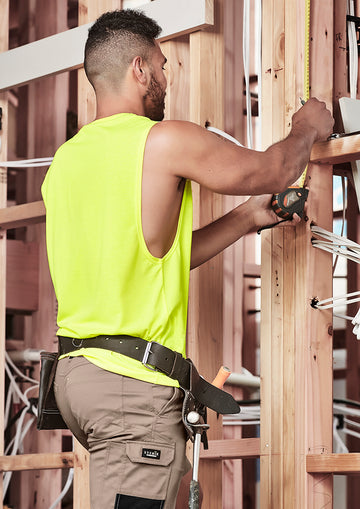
[(153, 454)]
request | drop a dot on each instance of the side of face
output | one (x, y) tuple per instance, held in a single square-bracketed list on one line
[(154, 98)]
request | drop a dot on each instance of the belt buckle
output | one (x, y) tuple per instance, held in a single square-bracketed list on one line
[(74, 342), (145, 358)]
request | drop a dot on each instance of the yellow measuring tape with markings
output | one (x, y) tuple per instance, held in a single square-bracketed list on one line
[(301, 180), (292, 200)]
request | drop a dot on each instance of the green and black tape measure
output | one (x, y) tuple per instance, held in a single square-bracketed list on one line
[(290, 202)]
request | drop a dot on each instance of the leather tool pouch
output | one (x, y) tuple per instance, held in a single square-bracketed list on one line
[(190, 404), (49, 416)]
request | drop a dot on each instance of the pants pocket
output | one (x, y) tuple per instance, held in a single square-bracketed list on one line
[(145, 468)]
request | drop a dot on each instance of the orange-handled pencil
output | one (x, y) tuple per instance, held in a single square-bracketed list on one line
[(221, 377)]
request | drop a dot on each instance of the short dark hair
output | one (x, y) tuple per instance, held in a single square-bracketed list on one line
[(115, 39)]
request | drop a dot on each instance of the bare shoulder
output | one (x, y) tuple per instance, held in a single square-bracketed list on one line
[(174, 133), (184, 145)]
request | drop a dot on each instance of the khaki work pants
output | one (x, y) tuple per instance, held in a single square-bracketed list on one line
[(133, 431)]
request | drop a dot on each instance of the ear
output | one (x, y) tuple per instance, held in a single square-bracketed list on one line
[(140, 70)]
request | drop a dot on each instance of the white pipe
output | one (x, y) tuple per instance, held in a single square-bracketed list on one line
[(27, 355), (243, 380)]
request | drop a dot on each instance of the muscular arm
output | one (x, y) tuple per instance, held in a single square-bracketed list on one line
[(189, 151), (176, 150)]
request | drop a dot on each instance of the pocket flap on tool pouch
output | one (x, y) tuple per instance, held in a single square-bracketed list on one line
[(150, 452)]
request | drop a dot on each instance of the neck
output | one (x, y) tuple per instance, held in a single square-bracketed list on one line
[(112, 104)]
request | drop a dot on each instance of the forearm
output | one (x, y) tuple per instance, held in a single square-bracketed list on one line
[(215, 237), (290, 157)]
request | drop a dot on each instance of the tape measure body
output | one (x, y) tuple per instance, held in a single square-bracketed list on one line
[(290, 202)]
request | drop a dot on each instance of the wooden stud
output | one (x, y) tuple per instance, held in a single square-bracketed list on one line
[(177, 99), (236, 479), (296, 348), (4, 29), (205, 308), (48, 100)]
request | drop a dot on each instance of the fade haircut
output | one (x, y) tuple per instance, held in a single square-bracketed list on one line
[(114, 40)]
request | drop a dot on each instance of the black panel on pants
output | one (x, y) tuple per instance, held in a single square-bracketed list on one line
[(127, 502)]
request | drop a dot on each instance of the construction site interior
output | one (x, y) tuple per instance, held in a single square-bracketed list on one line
[(280, 309)]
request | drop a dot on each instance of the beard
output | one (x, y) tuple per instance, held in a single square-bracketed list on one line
[(154, 100)]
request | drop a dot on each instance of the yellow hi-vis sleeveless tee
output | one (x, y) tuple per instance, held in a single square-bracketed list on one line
[(105, 279)]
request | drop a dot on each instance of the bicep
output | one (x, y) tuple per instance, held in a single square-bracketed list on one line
[(189, 151)]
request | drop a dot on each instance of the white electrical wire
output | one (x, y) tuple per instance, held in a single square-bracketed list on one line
[(66, 487), (336, 244), (19, 437), (340, 447), (341, 246), (340, 300), (224, 135), (9, 396), (64, 490), (351, 432), (342, 409), (15, 386), (18, 372), (27, 163), (21, 429), (344, 317), (352, 423), (337, 239), (22, 434)]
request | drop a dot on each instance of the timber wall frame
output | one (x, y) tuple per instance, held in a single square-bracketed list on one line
[(200, 15), (296, 346), (295, 445)]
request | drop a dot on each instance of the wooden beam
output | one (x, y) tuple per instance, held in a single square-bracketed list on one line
[(22, 215), (45, 461), (232, 449), (338, 150), (65, 51), (333, 463)]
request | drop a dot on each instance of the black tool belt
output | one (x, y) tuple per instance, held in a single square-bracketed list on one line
[(159, 358)]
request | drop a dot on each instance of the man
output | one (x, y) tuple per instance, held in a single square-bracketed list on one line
[(120, 247)]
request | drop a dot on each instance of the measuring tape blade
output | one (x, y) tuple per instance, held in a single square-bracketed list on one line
[(301, 181)]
